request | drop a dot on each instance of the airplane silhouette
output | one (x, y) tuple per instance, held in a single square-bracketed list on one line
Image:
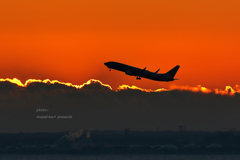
[(134, 71)]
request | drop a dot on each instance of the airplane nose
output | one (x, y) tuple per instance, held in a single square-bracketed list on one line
[(106, 64)]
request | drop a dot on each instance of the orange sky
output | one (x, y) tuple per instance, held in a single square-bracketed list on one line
[(69, 40)]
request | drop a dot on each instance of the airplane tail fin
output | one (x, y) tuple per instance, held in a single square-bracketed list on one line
[(173, 71)]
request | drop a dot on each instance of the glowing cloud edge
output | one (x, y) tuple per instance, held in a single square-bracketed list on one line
[(228, 89)]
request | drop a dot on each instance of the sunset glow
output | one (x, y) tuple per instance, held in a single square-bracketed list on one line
[(71, 40), (228, 89)]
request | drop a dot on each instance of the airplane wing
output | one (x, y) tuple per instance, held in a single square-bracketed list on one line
[(139, 73), (142, 70)]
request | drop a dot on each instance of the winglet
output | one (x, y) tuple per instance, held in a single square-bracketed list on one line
[(157, 70), (143, 70)]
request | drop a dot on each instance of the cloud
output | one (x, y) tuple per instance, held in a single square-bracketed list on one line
[(96, 106), (7, 86)]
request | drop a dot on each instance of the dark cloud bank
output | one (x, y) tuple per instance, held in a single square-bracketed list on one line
[(95, 107)]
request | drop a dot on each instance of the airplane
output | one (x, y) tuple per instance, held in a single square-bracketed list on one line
[(134, 71)]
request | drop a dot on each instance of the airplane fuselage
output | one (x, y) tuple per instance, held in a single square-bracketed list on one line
[(134, 71)]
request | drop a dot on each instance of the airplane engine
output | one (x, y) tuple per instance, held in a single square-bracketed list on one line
[(129, 73)]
